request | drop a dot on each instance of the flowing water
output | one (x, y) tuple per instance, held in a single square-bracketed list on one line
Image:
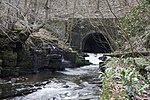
[(72, 84)]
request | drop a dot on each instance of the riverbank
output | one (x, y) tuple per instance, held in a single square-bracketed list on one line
[(126, 79), (40, 51), (73, 83)]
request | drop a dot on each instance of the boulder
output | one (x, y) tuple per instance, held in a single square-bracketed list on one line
[(9, 71), (4, 42), (102, 58), (75, 59), (0, 70), (47, 56), (9, 58), (23, 58), (1, 62)]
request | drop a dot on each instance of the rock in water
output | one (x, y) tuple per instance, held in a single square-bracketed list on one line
[(103, 58)]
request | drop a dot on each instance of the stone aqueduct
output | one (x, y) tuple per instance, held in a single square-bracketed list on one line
[(94, 35), (88, 35), (92, 27)]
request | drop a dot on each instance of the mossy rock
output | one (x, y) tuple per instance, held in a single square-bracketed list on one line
[(0, 54), (18, 31), (8, 90), (5, 72), (23, 36), (23, 59), (37, 41), (0, 70), (9, 71), (13, 71), (4, 42), (9, 58), (55, 41), (6, 86), (72, 56), (1, 61), (2, 34), (81, 62)]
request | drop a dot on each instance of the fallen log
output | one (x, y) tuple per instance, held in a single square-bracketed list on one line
[(128, 54)]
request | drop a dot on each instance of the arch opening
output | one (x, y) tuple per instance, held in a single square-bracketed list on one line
[(96, 43)]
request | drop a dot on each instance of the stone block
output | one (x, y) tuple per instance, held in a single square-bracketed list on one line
[(9, 58), (1, 62), (71, 56), (0, 70), (23, 58), (4, 42), (9, 71)]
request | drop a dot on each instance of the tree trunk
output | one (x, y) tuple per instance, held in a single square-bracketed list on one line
[(46, 9), (98, 1), (9, 23)]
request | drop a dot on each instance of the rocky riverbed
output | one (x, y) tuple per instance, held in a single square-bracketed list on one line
[(72, 83)]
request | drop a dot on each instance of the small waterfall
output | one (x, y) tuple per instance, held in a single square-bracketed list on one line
[(94, 58), (79, 83)]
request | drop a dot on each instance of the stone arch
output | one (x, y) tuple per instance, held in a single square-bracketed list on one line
[(96, 43)]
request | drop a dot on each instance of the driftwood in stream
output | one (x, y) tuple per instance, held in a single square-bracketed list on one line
[(128, 54)]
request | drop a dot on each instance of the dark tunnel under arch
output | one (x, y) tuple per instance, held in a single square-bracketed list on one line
[(96, 43)]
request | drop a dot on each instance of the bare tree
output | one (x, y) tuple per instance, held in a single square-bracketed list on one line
[(98, 5), (46, 9)]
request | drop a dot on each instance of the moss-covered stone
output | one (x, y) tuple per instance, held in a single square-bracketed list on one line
[(2, 34), (1, 62), (0, 70), (4, 42), (9, 58), (23, 59), (23, 36), (1, 42), (0, 54), (5, 72), (76, 60), (10, 71), (71, 55), (8, 90), (37, 41), (55, 41), (81, 62)]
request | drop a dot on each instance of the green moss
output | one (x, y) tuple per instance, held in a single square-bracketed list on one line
[(9, 58), (23, 58), (72, 56), (2, 34), (2, 42), (1, 62), (10, 71), (55, 41), (0, 70), (80, 62), (0, 54), (18, 30), (37, 41)]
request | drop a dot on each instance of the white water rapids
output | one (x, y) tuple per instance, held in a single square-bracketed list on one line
[(72, 84)]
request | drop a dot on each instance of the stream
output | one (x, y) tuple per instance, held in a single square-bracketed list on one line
[(72, 84)]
